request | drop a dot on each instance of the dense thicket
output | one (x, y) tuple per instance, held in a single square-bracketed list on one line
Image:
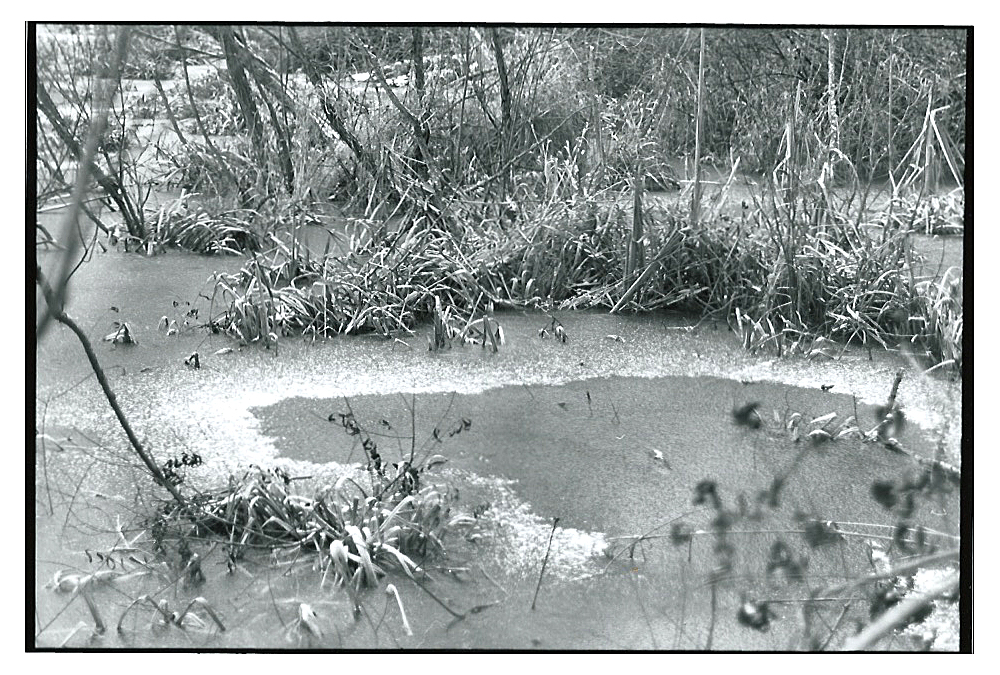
[(511, 163), (475, 108)]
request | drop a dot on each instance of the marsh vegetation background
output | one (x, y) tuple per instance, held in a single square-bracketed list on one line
[(789, 196)]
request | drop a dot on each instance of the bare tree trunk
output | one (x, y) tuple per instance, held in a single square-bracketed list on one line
[(270, 89), (282, 139), (244, 198), (833, 142), (595, 146), (244, 67), (235, 60), (636, 251), (696, 196), (59, 314), (506, 123), (505, 99), (421, 131), (331, 114)]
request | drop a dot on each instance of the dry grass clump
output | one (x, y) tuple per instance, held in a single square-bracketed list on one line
[(937, 214), (382, 286), (359, 535), (937, 323), (198, 231)]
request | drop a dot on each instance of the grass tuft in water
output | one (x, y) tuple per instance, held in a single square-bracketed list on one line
[(358, 536)]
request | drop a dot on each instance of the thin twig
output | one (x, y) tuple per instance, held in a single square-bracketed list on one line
[(545, 562), (836, 626), (59, 314), (645, 616), (170, 111), (644, 535), (438, 600), (899, 570), (711, 619), (413, 428), (85, 156), (898, 615)]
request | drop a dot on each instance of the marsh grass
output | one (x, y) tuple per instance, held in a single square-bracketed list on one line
[(797, 271), (783, 278), (395, 521), (936, 214), (359, 535), (937, 322), (537, 214), (377, 520), (198, 231), (542, 219), (196, 168), (381, 286)]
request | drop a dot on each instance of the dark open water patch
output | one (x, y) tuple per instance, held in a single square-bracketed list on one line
[(529, 454), (597, 465)]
